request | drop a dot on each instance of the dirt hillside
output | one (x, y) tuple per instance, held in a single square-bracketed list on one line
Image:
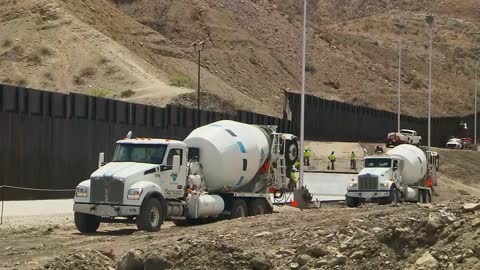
[(252, 51)]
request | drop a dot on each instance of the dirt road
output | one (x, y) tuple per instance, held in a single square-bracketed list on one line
[(333, 237)]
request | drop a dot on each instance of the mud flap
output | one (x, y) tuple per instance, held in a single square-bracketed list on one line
[(302, 197)]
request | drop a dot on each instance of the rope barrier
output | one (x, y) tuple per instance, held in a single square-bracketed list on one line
[(4, 187), (37, 189)]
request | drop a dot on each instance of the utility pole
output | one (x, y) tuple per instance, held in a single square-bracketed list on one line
[(302, 104), (400, 27), (429, 20), (199, 47)]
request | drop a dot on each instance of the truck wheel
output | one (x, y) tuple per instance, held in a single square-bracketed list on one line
[(352, 201), (292, 152), (151, 216), (421, 196), (86, 223), (394, 196), (257, 207), (428, 197), (239, 209)]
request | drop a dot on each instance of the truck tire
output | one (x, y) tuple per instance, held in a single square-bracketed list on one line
[(292, 152), (239, 209), (151, 216), (86, 223), (257, 207), (352, 201), (428, 197), (394, 197), (421, 196)]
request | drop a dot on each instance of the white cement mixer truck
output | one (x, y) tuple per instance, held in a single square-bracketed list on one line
[(223, 169), (403, 174)]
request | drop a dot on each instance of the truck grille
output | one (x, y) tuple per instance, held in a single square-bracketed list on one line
[(368, 182), (106, 190)]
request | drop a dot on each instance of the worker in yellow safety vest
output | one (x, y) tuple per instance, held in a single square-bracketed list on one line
[(296, 165), (353, 161), (292, 185), (332, 159), (306, 157)]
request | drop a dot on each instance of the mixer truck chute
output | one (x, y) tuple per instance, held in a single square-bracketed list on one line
[(403, 174), (220, 170)]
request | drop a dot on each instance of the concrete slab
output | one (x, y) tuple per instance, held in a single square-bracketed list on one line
[(37, 208), (324, 186), (321, 150)]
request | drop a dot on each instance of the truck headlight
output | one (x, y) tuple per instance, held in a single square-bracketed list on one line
[(81, 191), (352, 185), (384, 184), (134, 193)]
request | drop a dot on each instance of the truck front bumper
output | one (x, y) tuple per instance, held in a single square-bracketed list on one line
[(106, 210), (368, 195)]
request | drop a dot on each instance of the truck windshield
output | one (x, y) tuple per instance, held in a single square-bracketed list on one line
[(378, 163), (142, 153)]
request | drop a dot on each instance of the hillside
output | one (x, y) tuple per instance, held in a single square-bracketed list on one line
[(252, 54)]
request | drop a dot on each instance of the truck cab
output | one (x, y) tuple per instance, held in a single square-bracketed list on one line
[(375, 180), (140, 168)]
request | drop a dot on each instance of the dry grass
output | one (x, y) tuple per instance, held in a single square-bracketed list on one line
[(181, 81), (87, 72), (310, 68), (110, 70), (78, 80), (35, 58), (127, 93), (100, 92), (332, 84), (7, 43), (48, 75), (21, 82), (45, 51), (103, 61)]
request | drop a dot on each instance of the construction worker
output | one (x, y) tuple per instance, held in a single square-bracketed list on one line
[(331, 158), (306, 157), (293, 180), (296, 165), (353, 161)]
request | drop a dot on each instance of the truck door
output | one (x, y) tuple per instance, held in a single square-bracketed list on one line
[(396, 166), (175, 181)]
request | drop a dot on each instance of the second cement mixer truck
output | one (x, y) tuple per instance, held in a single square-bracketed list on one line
[(403, 174), (221, 169)]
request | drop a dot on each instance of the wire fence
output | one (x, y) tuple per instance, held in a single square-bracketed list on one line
[(5, 187)]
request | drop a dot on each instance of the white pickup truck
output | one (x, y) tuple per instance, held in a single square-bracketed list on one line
[(405, 136)]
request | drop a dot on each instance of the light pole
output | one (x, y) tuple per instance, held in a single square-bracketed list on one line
[(429, 20), (400, 27), (475, 115), (199, 47), (302, 104)]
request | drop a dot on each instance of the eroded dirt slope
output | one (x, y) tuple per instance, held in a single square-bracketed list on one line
[(252, 50)]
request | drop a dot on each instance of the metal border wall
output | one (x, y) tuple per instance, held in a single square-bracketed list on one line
[(51, 140), (328, 120)]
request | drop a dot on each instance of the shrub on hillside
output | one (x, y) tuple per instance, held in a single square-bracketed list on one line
[(181, 81), (100, 92)]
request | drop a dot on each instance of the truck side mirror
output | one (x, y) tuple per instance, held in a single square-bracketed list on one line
[(101, 159), (176, 164)]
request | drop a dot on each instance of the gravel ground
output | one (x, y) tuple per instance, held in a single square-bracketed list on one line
[(442, 235)]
